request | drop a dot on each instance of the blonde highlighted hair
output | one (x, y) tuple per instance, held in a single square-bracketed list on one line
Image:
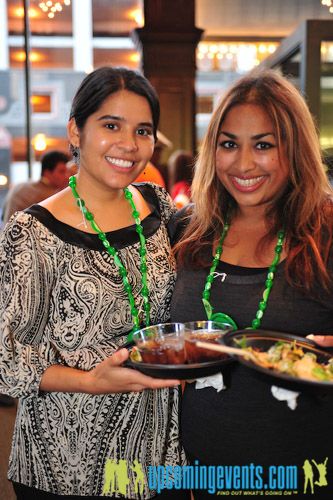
[(304, 209)]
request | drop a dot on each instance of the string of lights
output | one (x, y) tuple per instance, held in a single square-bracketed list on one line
[(51, 8), (328, 4)]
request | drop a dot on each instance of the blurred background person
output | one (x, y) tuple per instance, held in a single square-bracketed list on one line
[(54, 177), (155, 170), (151, 174), (180, 172)]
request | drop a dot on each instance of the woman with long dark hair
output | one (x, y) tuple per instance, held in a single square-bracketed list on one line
[(79, 272)]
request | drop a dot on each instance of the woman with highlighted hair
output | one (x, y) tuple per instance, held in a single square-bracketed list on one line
[(256, 252)]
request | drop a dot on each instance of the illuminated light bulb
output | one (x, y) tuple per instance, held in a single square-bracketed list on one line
[(271, 48), (213, 49), (3, 180), (39, 142), (134, 57), (203, 48), (19, 56), (67, 2), (262, 48), (35, 56), (19, 12), (137, 16), (50, 15)]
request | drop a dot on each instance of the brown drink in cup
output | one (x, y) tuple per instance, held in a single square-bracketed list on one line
[(205, 331), (161, 344), (162, 352), (196, 354)]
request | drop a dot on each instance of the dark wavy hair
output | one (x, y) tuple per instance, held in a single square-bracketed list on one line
[(104, 81)]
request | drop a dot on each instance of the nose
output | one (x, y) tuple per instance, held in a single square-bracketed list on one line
[(246, 159), (128, 141)]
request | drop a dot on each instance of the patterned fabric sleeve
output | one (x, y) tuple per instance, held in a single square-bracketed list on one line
[(26, 273), (167, 206)]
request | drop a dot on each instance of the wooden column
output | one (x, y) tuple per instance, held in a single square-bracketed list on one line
[(168, 43)]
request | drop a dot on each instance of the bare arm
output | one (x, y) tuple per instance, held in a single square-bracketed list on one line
[(108, 377)]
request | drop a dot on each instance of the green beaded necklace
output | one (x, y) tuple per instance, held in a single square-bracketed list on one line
[(113, 252), (225, 318)]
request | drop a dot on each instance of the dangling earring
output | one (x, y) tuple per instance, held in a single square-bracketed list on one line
[(75, 150)]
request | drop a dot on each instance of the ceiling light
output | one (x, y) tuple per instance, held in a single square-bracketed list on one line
[(51, 7), (39, 142)]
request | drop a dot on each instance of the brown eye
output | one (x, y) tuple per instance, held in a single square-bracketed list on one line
[(264, 145), (228, 144), (144, 131)]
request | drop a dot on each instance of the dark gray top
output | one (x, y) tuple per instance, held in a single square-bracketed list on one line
[(245, 424)]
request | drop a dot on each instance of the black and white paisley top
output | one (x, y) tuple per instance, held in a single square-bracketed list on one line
[(62, 301)]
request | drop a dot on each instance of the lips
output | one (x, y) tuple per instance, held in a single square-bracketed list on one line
[(247, 184), (119, 162)]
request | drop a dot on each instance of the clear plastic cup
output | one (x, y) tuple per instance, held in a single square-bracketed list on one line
[(205, 331), (161, 344)]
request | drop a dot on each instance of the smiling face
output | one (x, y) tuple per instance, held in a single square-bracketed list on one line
[(116, 141), (248, 162)]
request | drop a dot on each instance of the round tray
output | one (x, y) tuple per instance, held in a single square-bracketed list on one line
[(182, 372), (263, 340)]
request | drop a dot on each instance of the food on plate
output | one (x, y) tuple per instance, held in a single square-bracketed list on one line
[(290, 358)]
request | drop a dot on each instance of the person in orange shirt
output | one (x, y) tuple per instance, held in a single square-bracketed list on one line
[(154, 171), (151, 174)]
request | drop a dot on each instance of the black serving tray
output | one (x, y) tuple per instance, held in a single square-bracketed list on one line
[(263, 340)]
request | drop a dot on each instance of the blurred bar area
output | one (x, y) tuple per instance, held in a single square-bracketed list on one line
[(190, 50)]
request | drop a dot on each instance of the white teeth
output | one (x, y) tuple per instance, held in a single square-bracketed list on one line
[(248, 182), (120, 163)]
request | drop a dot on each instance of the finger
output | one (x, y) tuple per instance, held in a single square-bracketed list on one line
[(322, 340), (118, 358), (147, 382), (157, 383)]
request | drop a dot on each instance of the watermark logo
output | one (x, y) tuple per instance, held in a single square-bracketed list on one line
[(116, 477), (309, 474), (252, 479)]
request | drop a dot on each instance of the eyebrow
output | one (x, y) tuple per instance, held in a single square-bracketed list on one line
[(254, 137), (122, 119)]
